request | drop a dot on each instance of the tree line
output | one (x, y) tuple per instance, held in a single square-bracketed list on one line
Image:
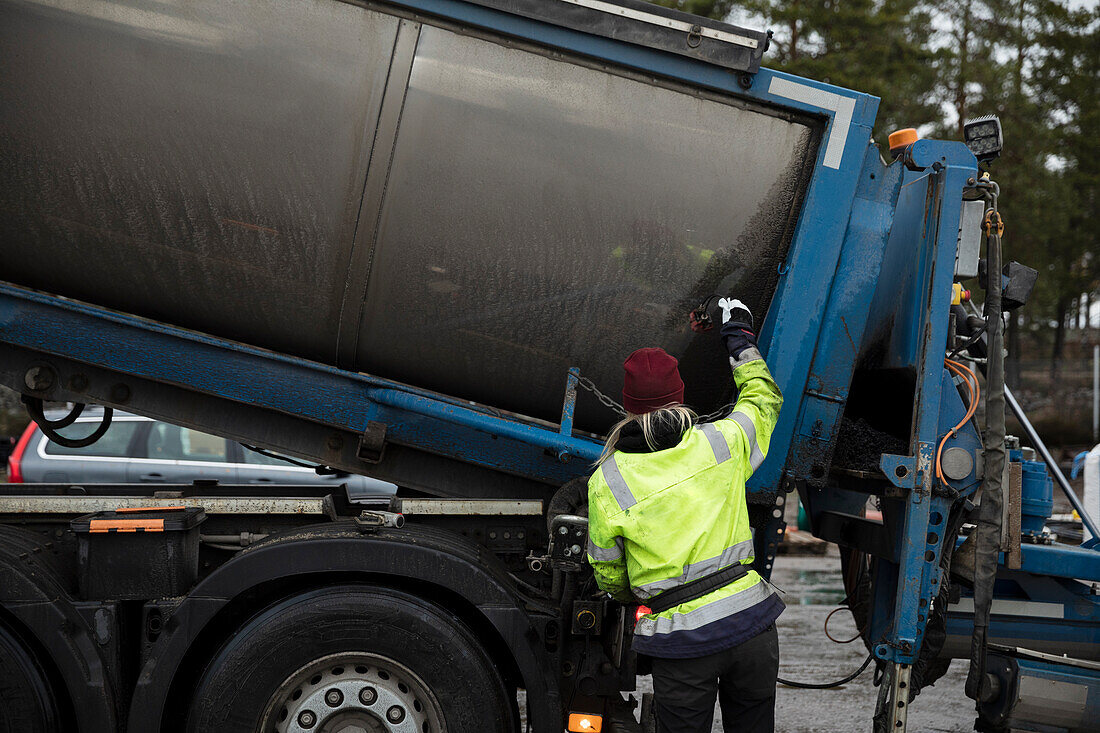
[(936, 64)]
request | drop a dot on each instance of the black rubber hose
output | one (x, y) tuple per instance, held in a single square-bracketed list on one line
[(276, 456), (987, 535), (50, 427), (571, 498), (35, 406), (827, 685)]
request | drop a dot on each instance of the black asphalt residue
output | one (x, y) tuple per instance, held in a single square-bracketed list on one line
[(859, 446)]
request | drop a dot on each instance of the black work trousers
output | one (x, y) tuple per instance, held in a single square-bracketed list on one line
[(743, 679)]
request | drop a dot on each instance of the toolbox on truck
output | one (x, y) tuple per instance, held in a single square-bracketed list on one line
[(138, 553)]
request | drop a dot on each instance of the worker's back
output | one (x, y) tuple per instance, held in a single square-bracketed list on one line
[(690, 514), (678, 514)]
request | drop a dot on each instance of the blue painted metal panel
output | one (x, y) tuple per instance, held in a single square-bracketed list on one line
[(1071, 635), (840, 342), (919, 570), (1062, 561), (1037, 611), (1058, 561), (791, 330), (1086, 681), (298, 387), (910, 308)]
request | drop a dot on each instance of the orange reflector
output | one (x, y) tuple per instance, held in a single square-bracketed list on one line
[(901, 138), (126, 525), (585, 723)]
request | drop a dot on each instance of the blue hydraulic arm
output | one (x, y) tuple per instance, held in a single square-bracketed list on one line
[(342, 419)]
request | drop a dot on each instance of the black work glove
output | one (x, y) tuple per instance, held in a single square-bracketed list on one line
[(737, 327)]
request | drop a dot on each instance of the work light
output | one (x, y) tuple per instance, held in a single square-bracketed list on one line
[(983, 137)]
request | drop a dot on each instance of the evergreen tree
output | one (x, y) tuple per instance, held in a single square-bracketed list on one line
[(716, 9), (1033, 63), (880, 47), (1067, 84), (937, 64)]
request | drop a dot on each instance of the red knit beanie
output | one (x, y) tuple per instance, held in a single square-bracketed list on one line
[(652, 380)]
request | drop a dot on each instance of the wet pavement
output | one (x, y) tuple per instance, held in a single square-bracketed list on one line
[(813, 588)]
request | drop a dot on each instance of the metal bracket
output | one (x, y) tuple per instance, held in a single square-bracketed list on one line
[(900, 470), (371, 520), (773, 531), (570, 404), (568, 539), (372, 443), (891, 708)]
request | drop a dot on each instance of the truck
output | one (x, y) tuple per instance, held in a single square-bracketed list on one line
[(413, 240)]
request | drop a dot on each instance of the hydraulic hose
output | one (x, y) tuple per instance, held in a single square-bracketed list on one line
[(35, 408), (827, 685), (987, 535)]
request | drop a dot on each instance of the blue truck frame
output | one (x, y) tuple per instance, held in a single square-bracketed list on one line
[(871, 264)]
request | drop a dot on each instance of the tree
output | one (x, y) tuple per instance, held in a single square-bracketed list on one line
[(880, 47), (1030, 62), (988, 69), (1068, 84), (716, 9), (940, 63)]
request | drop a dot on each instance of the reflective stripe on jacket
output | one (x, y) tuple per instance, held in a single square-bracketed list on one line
[(661, 519)]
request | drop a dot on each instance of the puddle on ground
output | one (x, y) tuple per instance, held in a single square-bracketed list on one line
[(809, 581)]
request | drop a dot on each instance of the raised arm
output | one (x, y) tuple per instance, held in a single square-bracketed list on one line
[(759, 398)]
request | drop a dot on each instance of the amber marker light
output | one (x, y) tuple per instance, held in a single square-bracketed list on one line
[(901, 139), (585, 723)]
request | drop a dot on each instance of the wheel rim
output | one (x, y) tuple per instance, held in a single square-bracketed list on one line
[(354, 692)]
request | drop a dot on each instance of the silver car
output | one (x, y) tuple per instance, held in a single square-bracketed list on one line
[(138, 449)]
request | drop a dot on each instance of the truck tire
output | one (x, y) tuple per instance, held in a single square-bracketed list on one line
[(27, 702), (356, 658)]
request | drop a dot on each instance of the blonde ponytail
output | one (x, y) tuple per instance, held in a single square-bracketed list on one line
[(671, 417)]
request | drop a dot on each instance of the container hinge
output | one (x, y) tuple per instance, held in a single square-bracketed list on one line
[(900, 470), (372, 443)]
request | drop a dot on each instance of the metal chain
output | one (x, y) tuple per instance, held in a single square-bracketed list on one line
[(604, 399), (719, 414)]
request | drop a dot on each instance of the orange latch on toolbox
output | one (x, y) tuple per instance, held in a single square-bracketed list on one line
[(126, 525)]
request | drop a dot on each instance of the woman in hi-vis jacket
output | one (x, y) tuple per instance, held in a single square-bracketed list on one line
[(669, 528)]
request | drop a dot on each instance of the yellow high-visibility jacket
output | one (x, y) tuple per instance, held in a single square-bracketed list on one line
[(664, 518)]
